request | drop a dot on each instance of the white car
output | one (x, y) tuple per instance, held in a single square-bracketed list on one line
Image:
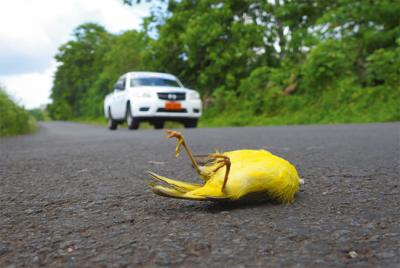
[(151, 97)]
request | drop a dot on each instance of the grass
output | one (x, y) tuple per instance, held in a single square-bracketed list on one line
[(344, 103), (331, 107), (14, 120)]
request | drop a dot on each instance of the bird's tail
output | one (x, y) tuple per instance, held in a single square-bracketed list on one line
[(180, 186), (179, 189), (170, 192), (176, 189)]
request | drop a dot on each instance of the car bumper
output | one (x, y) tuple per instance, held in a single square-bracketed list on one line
[(156, 109)]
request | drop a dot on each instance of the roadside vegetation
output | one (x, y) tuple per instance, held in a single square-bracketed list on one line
[(14, 120), (40, 114), (254, 62)]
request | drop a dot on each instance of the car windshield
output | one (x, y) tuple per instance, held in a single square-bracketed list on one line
[(153, 81)]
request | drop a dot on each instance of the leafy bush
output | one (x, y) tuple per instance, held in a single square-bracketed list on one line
[(39, 114), (325, 63), (383, 66), (13, 119), (347, 102)]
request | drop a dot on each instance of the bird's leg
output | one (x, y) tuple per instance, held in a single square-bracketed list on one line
[(181, 142), (223, 161)]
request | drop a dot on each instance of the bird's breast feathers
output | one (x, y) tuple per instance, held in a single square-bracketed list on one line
[(257, 171)]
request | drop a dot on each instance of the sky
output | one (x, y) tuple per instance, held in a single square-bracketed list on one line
[(32, 30)]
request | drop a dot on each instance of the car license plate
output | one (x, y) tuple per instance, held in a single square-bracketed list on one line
[(173, 105)]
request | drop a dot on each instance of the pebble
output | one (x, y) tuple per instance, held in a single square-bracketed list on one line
[(352, 254)]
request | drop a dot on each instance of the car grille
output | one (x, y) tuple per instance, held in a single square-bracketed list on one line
[(172, 96), (162, 110)]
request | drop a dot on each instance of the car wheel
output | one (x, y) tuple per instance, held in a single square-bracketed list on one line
[(159, 124), (112, 124), (133, 122), (190, 123)]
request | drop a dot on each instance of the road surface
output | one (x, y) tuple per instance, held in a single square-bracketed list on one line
[(76, 195)]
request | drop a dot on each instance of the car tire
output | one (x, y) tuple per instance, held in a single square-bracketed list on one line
[(159, 124), (132, 122), (112, 124), (190, 123)]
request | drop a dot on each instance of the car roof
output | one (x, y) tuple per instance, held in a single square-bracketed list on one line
[(152, 74)]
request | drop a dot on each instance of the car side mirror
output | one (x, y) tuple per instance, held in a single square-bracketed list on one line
[(119, 86)]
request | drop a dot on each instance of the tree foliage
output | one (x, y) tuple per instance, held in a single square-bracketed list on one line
[(252, 58), (88, 66)]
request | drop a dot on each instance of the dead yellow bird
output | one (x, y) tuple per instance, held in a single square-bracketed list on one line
[(234, 175)]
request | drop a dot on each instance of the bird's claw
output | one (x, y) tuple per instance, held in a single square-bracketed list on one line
[(181, 142), (223, 162), (175, 134), (220, 160)]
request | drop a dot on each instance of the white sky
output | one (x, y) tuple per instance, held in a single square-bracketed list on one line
[(32, 30)]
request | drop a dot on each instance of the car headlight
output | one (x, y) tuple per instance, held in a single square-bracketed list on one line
[(142, 94), (194, 95)]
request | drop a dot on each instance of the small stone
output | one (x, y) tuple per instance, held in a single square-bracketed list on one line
[(29, 211), (352, 254), (156, 162), (70, 249)]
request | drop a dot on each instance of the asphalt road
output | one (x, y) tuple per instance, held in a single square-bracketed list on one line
[(76, 195)]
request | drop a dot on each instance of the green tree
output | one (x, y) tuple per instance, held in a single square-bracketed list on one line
[(208, 43), (125, 54), (80, 63)]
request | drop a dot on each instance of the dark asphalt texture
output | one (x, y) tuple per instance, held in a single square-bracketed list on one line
[(75, 195)]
